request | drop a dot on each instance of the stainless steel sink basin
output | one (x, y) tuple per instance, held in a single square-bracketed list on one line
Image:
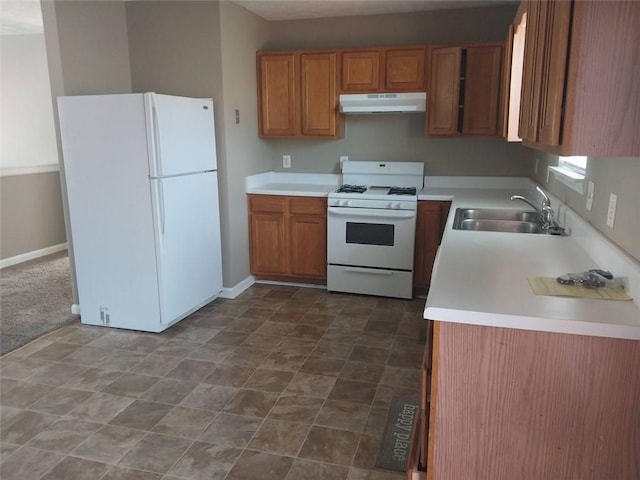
[(497, 220)]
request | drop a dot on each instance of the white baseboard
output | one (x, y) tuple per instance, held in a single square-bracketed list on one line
[(8, 262), (237, 289)]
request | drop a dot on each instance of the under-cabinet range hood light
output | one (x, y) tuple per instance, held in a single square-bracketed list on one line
[(383, 103)]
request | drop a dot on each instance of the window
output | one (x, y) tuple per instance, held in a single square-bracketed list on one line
[(576, 164), (571, 171)]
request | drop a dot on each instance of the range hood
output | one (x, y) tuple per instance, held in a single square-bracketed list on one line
[(383, 103)]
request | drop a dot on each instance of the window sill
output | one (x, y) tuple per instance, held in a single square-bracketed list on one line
[(573, 180)]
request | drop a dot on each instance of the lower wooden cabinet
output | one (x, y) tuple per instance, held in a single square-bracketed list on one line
[(288, 238), (509, 403), (432, 217)]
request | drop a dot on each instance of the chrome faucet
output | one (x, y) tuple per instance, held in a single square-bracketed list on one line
[(547, 216)]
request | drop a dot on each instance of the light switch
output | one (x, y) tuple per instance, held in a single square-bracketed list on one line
[(611, 214), (590, 196)]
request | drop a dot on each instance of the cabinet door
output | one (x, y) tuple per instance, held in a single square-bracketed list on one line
[(404, 70), (482, 90), (361, 71), (444, 89), (268, 245), (532, 70), (277, 95), (430, 223), (554, 63), (308, 245), (319, 96)]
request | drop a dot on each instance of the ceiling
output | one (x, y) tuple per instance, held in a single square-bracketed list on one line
[(275, 10), (20, 17)]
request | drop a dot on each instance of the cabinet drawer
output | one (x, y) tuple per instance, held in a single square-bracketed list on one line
[(308, 206), (266, 203)]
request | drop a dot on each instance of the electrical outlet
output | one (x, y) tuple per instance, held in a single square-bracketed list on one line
[(286, 161), (611, 213), (590, 196), (343, 158)]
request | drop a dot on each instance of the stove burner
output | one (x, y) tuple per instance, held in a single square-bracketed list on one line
[(402, 191), (352, 189)]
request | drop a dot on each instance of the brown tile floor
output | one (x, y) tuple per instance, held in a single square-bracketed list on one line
[(282, 383)]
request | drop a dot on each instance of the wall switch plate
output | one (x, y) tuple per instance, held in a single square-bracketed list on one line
[(611, 213), (590, 196), (286, 161), (343, 158)]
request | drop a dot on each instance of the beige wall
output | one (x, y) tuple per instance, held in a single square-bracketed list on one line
[(31, 213), (242, 33), (208, 49), (399, 137), (620, 176), (486, 24), (93, 46)]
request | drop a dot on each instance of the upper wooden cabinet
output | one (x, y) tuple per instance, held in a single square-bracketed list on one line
[(361, 71), (297, 94), (464, 90), (388, 69), (278, 94), (579, 86)]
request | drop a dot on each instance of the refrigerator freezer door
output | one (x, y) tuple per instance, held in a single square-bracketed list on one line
[(182, 135), (188, 242)]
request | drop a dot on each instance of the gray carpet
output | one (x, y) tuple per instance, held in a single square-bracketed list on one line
[(35, 298)]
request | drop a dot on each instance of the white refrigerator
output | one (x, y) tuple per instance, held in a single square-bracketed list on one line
[(142, 183)]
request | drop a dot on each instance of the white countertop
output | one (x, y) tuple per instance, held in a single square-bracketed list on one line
[(293, 184), (480, 278)]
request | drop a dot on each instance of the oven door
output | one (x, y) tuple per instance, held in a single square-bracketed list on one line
[(369, 237)]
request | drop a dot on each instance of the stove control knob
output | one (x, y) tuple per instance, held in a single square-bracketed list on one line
[(395, 205), (344, 203)]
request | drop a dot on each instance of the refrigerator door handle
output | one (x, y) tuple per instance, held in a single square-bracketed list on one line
[(157, 150), (162, 210)]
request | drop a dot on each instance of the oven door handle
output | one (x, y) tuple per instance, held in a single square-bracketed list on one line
[(367, 213), (368, 270)]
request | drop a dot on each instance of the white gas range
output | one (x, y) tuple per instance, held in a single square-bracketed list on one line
[(371, 222)]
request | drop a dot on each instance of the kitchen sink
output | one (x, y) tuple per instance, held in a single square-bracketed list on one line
[(497, 220)]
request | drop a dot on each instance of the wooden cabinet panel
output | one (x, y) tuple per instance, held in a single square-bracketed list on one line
[(267, 235), (308, 243), (288, 238), (464, 90), (319, 95), (277, 95), (361, 72), (430, 222), (404, 70), (554, 61), (266, 204), (444, 90), (570, 403), (482, 90), (307, 205)]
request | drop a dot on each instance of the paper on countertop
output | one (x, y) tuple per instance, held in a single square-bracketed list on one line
[(550, 286)]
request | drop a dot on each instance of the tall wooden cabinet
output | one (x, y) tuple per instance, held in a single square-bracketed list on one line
[(288, 238), (579, 90), (464, 90), (297, 94)]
